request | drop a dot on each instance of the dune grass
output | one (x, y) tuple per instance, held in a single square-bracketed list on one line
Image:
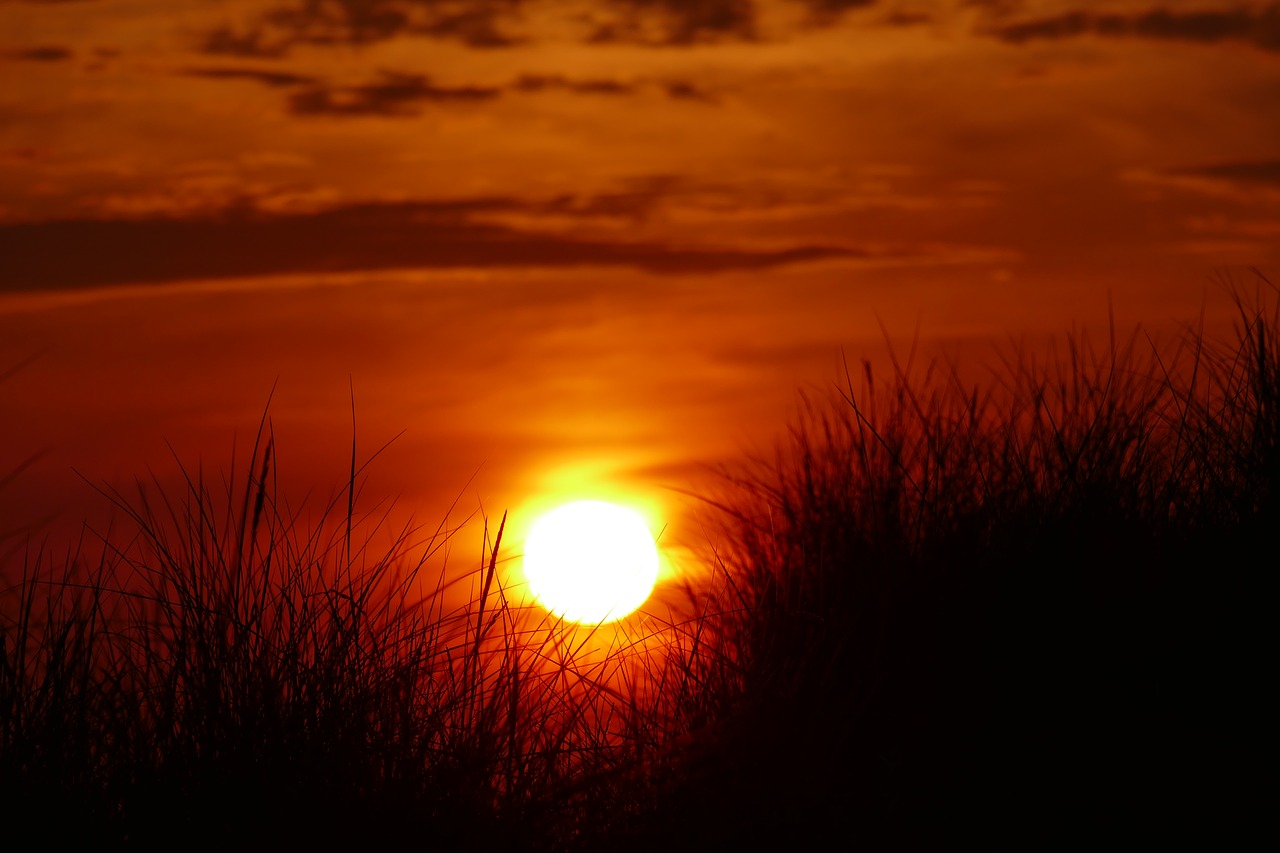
[(235, 669), (1015, 612)]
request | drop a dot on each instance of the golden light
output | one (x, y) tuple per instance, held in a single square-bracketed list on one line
[(590, 561)]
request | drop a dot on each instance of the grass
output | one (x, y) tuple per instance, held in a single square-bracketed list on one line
[(250, 674), (1025, 611), (1016, 613)]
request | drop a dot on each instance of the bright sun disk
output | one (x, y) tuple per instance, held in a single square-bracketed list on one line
[(590, 561)]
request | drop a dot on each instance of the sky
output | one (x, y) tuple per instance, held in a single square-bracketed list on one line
[(553, 249)]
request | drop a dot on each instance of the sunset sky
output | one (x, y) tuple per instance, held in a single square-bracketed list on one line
[(581, 248)]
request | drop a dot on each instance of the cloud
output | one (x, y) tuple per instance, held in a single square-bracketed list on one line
[(825, 10), (1259, 27), (44, 53), (498, 23), (476, 27), (1239, 180), (85, 253), (256, 43), (899, 18), (686, 91), (394, 95), (485, 23), (401, 94), (678, 89), (363, 22), (542, 82), (264, 76), (839, 5), (632, 204), (677, 22), (1266, 172), (343, 21)]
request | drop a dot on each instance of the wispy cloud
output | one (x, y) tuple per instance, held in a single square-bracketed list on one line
[(1260, 27), (503, 23), (542, 82), (476, 27), (400, 94), (44, 53), (477, 23), (826, 10), (686, 91), (901, 18), (1265, 172), (266, 77), (678, 89), (1239, 180), (676, 22), (89, 253), (255, 42), (393, 95)]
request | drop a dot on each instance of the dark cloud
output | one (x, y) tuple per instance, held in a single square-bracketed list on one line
[(90, 253), (1266, 172), (362, 22), (264, 76), (40, 54), (907, 19), (493, 23), (686, 91), (678, 22), (342, 21), (256, 43), (699, 20), (1260, 27), (634, 204), (679, 89), (477, 28), (825, 9), (393, 95), (541, 82), (995, 8), (401, 94)]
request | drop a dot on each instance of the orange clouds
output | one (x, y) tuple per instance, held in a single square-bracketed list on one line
[(613, 236)]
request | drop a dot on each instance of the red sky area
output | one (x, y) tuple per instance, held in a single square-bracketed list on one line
[(581, 248)]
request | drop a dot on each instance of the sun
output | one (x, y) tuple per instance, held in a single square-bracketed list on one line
[(590, 561)]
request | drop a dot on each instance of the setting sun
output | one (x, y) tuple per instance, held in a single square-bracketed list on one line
[(590, 561)]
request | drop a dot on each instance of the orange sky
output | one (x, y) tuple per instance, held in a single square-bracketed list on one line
[(581, 246)]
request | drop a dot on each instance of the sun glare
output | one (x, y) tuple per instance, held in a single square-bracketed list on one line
[(590, 561)]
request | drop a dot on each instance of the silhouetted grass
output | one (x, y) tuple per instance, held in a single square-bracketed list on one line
[(1021, 612), (1031, 612), (235, 671)]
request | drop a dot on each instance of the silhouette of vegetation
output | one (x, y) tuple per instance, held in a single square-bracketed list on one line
[(1025, 613), (944, 614)]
